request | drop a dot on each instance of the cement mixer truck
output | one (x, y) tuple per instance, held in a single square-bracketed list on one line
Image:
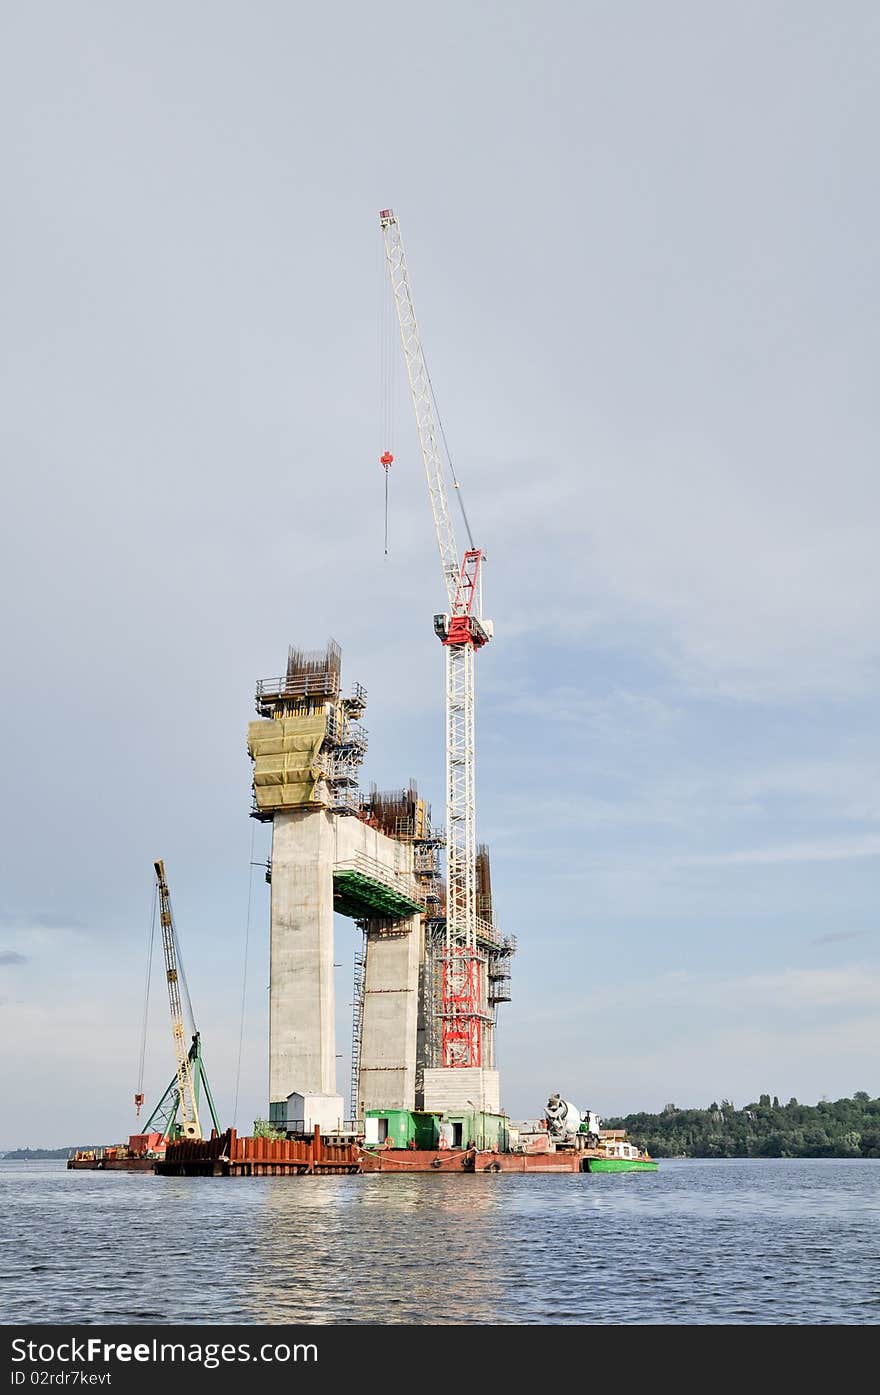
[(569, 1125)]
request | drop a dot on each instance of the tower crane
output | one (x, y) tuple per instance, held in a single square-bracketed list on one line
[(462, 630), (184, 1089)]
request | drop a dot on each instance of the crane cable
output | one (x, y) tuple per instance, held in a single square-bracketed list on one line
[(150, 943), (459, 495), (387, 362), (247, 936), (181, 972), (387, 359)]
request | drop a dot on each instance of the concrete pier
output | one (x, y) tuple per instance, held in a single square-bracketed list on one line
[(470, 1087), (324, 862), (374, 859), (302, 1000), (391, 1003)]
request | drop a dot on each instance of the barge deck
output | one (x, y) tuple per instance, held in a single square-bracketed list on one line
[(231, 1156)]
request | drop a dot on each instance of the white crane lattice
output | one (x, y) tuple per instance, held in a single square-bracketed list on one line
[(462, 631)]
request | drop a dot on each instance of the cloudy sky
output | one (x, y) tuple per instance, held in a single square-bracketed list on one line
[(643, 247)]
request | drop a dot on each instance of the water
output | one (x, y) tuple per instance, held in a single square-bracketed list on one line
[(758, 1241)]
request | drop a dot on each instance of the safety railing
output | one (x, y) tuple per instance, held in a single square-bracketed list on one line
[(353, 1128), (401, 882), (299, 685)]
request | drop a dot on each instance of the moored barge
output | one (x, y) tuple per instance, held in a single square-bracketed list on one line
[(139, 1154)]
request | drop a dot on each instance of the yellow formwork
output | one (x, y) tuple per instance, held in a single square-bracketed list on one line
[(285, 756)]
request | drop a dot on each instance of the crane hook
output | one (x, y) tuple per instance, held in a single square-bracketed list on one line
[(386, 459)]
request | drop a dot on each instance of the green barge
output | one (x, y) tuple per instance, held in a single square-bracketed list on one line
[(639, 1164)]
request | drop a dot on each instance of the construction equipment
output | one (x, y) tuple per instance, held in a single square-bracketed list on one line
[(466, 1022), (184, 1091), (568, 1124)]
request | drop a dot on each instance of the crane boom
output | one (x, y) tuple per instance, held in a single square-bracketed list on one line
[(465, 1021), (423, 401), (189, 1111)]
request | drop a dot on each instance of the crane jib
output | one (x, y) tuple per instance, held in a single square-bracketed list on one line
[(466, 1026), (189, 1111)]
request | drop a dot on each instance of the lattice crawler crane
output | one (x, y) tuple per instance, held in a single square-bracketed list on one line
[(185, 1089)]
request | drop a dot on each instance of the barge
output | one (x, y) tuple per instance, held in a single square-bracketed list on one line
[(234, 1156), (395, 1141), (139, 1154), (229, 1155)]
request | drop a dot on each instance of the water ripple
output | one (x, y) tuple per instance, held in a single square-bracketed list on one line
[(748, 1241)]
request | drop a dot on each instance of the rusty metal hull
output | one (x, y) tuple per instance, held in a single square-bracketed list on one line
[(231, 1156), (401, 1160), (111, 1164), (415, 1160)]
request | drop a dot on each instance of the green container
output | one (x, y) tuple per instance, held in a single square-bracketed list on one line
[(483, 1129), (399, 1124), (427, 1129)]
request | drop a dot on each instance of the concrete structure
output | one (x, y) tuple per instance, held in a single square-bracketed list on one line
[(302, 1000), (324, 862), (374, 859), (455, 1090), (387, 1077)]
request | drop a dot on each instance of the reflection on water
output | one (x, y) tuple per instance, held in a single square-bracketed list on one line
[(720, 1242), (381, 1250)]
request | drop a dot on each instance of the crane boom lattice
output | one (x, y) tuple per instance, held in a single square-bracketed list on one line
[(466, 1024), (189, 1111), (422, 399)]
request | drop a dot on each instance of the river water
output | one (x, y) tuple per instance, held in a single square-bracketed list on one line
[(751, 1241)]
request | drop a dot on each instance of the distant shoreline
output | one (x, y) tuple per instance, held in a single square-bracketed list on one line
[(844, 1128)]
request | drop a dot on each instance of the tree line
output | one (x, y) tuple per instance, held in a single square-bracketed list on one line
[(845, 1128)]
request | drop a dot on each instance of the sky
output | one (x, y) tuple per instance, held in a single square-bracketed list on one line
[(642, 242)]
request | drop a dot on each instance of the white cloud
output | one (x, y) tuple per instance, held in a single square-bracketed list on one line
[(831, 849), (707, 557), (787, 990), (690, 1037)]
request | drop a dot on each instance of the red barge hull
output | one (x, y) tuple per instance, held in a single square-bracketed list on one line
[(112, 1164), (231, 1156), (400, 1160)]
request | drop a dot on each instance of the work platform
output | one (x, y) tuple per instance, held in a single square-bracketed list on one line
[(364, 889)]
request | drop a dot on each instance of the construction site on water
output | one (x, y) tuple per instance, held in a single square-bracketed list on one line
[(432, 967)]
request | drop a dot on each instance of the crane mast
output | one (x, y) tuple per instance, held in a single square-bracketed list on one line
[(189, 1112), (462, 631)]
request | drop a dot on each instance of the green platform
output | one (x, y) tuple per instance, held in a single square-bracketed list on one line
[(363, 897)]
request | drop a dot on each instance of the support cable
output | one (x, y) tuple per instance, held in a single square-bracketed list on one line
[(455, 480), (247, 936), (387, 360), (150, 943), (182, 974)]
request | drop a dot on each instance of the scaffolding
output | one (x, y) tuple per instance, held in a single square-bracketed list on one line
[(309, 746), (357, 1017), (484, 884), (398, 813), (450, 977), (499, 971)]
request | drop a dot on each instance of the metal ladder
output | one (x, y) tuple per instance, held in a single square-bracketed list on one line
[(357, 1019)]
